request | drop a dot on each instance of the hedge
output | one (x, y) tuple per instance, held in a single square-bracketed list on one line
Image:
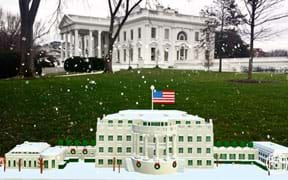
[(81, 64), (9, 64)]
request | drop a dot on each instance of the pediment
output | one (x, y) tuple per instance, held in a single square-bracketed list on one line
[(66, 21)]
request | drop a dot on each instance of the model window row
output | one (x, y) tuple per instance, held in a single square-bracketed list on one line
[(129, 150), (224, 156), (180, 138), (199, 162)]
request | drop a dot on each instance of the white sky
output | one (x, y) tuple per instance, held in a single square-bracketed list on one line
[(100, 8)]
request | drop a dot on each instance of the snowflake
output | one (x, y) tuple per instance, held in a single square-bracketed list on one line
[(122, 93), (143, 77), (68, 90), (138, 71), (91, 129), (137, 103), (27, 82)]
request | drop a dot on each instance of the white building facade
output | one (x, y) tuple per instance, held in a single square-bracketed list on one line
[(149, 38), (154, 141)]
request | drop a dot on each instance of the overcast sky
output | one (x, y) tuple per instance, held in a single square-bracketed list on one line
[(100, 8)]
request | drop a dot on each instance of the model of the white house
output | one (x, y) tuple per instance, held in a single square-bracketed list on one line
[(152, 142), (161, 36)]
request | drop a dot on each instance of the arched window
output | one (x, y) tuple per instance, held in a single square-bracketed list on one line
[(182, 36)]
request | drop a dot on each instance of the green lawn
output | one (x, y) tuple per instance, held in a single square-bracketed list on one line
[(55, 108)]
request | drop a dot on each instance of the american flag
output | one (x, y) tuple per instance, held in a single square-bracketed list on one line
[(163, 97)]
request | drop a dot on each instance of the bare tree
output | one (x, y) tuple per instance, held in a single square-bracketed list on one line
[(115, 8), (227, 15), (28, 13), (261, 12), (9, 31)]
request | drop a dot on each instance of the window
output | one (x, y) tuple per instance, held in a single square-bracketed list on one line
[(153, 32), (208, 162), (223, 156), (208, 150), (129, 122), (190, 138), (128, 138), (164, 152), (101, 149), (241, 156), (199, 138), (166, 55), (170, 138), (131, 54), (139, 33), (14, 163), (110, 138), (101, 138), (110, 161), (199, 162), (119, 138), (53, 164), (182, 36), (180, 138), (110, 149), (131, 34), (110, 122), (165, 139), (141, 150), (199, 150), (190, 162), (120, 122), (46, 164), (124, 35), (119, 161), (153, 54), (140, 138), (232, 156), (198, 122), (207, 37), (180, 150), (35, 163), (189, 150), (178, 122), (119, 149), (124, 55), (188, 122), (170, 150), (100, 161), (251, 157), (196, 36), (118, 56), (166, 34), (139, 53), (25, 164), (128, 150), (196, 53), (208, 138)]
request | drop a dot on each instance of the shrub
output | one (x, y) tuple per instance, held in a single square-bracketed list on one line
[(9, 64), (218, 144), (80, 64)]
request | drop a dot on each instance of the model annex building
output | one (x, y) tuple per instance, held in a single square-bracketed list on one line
[(161, 37), (152, 142)]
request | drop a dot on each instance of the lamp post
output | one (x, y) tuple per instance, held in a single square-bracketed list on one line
[(152, 91), (130, 56)]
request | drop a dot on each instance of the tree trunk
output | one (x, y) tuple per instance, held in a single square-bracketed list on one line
[(252, 26)]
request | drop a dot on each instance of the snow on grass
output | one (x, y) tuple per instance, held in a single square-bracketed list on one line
[(87, 171)]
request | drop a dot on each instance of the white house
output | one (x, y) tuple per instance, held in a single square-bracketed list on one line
[(275, 156), (154, 141), (162, 37)]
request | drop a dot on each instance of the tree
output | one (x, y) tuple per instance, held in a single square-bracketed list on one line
[(115, 8), (227, 16), (261, 12), (233, 45), (9, 31)]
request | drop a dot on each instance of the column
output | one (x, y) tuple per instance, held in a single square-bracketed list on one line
[(90, 45), (157, 146), (134, 144), (174, 146), (99, 44), (66, 46), (137, 145), (76, 47), (62, 49), (167, 146), (71, 44), (172, 58), (146, 146)]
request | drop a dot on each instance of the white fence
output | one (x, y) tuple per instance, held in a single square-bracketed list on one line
[(240, 64)]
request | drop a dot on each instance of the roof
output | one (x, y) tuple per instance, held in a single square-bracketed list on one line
[(270, 146), (152, 115), (30, 147), (53, 151)]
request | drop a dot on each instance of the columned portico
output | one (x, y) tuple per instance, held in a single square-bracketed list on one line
[(76, 46), (99, 46)]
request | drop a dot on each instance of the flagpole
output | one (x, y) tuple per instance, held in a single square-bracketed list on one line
[(152, 90)]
